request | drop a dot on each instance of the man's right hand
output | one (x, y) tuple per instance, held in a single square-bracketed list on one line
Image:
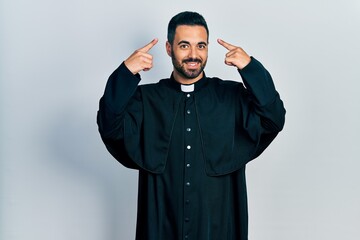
[(141, 60)]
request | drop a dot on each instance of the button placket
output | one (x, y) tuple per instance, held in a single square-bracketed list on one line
[(189, 155)]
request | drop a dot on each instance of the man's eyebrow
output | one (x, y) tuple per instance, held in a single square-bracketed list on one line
[(183, 42), (186, 42)]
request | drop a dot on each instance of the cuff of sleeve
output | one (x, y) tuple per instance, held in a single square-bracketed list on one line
[(253, 65), (127, 73)]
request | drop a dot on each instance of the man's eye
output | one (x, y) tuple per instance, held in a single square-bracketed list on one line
[(202, 46), (183, 46)]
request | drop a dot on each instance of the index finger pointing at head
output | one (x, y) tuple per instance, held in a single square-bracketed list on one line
[(226, 45), (148, 46)]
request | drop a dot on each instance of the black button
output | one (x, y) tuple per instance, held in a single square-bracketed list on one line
[(188, 184), (188, 111), (188, 129), (187, 201), (187, 219), (188, 165)]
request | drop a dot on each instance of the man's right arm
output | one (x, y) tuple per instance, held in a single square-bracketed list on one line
[(121, 98), (120, 91), (124, 80)]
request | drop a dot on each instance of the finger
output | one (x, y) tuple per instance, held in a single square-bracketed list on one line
[(235, 52), (147, 62), (229, 61), (144, 56), (147, 66), (226, 45), (231, 53), (148, 46)]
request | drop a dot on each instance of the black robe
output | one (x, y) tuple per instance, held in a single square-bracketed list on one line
[(190, 148)]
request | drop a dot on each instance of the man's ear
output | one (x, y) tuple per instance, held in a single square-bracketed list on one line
[(168, 48)]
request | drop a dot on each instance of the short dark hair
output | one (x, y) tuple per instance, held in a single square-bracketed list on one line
[(185, 18)]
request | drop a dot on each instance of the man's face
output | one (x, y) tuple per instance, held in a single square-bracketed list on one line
[(189, 52)]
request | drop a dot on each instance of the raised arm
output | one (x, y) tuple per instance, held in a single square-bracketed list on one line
[(120, 94)]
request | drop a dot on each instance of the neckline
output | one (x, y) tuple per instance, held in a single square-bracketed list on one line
[(194, 87)]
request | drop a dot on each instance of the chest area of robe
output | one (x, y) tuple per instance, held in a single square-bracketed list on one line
[(184, 202)]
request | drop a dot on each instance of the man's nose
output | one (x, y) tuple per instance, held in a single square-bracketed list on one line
[(193, 53)]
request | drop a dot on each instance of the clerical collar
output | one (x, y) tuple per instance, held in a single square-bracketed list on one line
[(187, 88), (198, 85)]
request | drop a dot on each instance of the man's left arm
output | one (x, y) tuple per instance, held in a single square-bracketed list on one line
[(259, 84), (264, 97)]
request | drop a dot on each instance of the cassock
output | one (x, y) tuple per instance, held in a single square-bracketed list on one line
[(190, 144)]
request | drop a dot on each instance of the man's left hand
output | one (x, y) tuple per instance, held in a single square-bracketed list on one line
[(236, 56)]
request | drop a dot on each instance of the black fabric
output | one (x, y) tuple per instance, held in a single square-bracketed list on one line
[(190, 148)]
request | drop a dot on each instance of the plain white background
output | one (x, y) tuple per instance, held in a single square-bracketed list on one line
[(57, 181)]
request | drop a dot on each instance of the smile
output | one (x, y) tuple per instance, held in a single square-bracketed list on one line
[(192, 64)]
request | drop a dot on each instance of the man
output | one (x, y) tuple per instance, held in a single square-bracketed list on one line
[(190, 136)]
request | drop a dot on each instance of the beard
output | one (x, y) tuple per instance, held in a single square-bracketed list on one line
[(188, 73)]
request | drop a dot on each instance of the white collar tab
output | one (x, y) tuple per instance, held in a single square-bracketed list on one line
[(187, 88)]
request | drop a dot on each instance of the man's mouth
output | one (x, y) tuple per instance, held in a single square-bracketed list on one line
[(193, 63)]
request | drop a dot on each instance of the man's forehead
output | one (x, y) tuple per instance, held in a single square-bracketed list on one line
[(190, 33)]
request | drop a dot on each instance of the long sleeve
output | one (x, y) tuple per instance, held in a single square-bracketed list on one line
[(238, 123), (120, 88), (264, 116)]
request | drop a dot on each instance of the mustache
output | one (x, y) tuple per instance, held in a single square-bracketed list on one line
[(192, 60)]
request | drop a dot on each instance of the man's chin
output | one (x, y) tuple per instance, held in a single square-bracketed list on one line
[(192, 74)]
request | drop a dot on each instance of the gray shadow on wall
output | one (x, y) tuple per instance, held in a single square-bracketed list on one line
[(76, 146)]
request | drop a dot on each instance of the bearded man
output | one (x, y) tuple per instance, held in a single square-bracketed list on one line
[(190, 136)]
